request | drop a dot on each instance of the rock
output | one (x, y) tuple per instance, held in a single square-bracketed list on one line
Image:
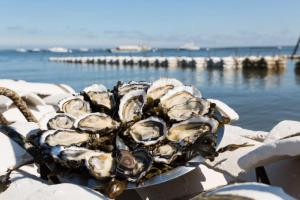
[(283, 129)]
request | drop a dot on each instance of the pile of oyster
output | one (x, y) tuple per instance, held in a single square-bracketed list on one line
[(133, 132)]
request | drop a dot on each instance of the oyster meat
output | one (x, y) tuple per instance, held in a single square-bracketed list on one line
[(100, 166), (99, 96), (64, 138), (56, 121), (166, 153), (187, 132), (131, 105), (124, 88), (148, 131), (75, 106), (96, 122), (133, 165), (161, 86), (184, 102)]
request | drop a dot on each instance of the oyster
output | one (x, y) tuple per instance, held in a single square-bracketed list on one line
[(184, 102), (187, 132), (64, 138), (133, 165), (161, 87), (124, 88), (96, 122), (74, 106), (166, 153), (100, 166), (148, 131), (131, 105), (99, 96), (72, 156), (56, 121)]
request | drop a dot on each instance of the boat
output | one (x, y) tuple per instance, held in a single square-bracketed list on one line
[(59, 50), (83, 49), (35, 50), (130, 48), (21, 50), (189, 46)]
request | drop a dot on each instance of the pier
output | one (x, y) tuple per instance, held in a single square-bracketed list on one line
[(266, 62)]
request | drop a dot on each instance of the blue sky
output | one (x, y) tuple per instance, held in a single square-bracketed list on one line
[(159, 23)]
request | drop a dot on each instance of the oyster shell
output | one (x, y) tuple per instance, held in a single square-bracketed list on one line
[(72, 156), (64, 138), (187, 132), (99, 96), (184, 102), (100, 166), (133, 165), (131, 105), (124, 88), (56, 121), (96, 122), (148, 131), (166, 153), (161, 86), (75, 106)]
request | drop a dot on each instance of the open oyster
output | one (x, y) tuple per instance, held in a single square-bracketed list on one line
[(161, 86), (56, 121), (187, 132), (131, 105), (64, 138), (99, 96), (96, 122), (184, 102), (124, 88), (148, 131), (133, 165), (74, 106), (100, 166), (166, 153)]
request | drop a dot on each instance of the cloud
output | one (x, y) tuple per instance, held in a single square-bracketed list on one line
[(14, 28), (23, 30)]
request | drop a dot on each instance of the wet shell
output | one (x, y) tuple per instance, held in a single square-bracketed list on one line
[(148, 131), (187, 132), (124, 88), (184, 102), (64, 138), (166, 153), (161, 86), (131, 105), (75, 106), (56, 121), (96, 122), (133, 165), (72, 156), (100, 166), (99, 96)]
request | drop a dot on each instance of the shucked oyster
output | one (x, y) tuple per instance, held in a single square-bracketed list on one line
[(166, 153), (64, 138), (74, 106), (124, 88), (133, 165), (56, 121), (161, 86), (99, 96), (184, 102), (187, 132), (131, 105), (100, 166), (148, 131), (96, 122)]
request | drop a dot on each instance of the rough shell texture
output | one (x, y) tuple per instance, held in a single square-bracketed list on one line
[(132, 85), (161, 86), (56, 121)]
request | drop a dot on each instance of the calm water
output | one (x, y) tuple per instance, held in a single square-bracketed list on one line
[(262, 98)]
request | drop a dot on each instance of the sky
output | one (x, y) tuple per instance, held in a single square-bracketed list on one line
[(158, 23)]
